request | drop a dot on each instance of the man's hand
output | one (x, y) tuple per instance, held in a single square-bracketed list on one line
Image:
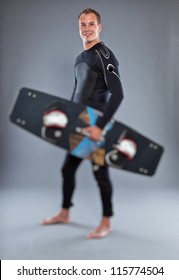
[(95, 133)]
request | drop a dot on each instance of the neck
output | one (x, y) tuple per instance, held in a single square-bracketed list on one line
[(89, 45)]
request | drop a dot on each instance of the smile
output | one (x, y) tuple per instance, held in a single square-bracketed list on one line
[(87, 34)]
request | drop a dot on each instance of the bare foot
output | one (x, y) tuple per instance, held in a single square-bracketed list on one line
[(62, 218), (102, 230), (99, 233)]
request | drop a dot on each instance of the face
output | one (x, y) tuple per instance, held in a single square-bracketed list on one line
[(89, 28)]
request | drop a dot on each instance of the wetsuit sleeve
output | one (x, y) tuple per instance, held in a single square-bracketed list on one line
[(109, 66), (74, 86)]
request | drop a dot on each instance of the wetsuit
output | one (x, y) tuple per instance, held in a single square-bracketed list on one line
[(97, 84)]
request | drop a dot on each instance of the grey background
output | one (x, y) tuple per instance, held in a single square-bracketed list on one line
[(39, 42)]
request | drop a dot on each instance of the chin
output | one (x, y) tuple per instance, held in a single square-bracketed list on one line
[(86, 42)]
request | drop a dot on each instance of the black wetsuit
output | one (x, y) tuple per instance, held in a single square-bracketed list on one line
[(97, 84)]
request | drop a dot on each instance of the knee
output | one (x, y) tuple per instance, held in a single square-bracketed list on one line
[(65, 172), (102, 178)]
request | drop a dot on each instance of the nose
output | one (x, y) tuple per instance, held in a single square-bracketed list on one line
[(87, 28)]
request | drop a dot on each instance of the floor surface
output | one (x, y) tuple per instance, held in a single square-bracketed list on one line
[(145, 225)]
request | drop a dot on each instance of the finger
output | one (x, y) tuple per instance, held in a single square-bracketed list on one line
[(83, 131)]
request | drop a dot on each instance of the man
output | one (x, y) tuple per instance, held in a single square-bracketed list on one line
[(97, 84)]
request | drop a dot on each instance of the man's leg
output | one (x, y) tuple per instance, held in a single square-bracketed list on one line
[(69, 168), (102, 177)]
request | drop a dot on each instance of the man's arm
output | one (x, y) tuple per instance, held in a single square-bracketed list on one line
[(110, 71), (113, 82)]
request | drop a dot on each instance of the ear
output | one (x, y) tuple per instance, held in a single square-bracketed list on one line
[(100, 27)]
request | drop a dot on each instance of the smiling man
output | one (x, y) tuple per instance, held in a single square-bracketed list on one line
[(97, 84), (89, 29)]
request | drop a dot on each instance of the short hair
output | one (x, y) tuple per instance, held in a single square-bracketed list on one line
[(91, 11)]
